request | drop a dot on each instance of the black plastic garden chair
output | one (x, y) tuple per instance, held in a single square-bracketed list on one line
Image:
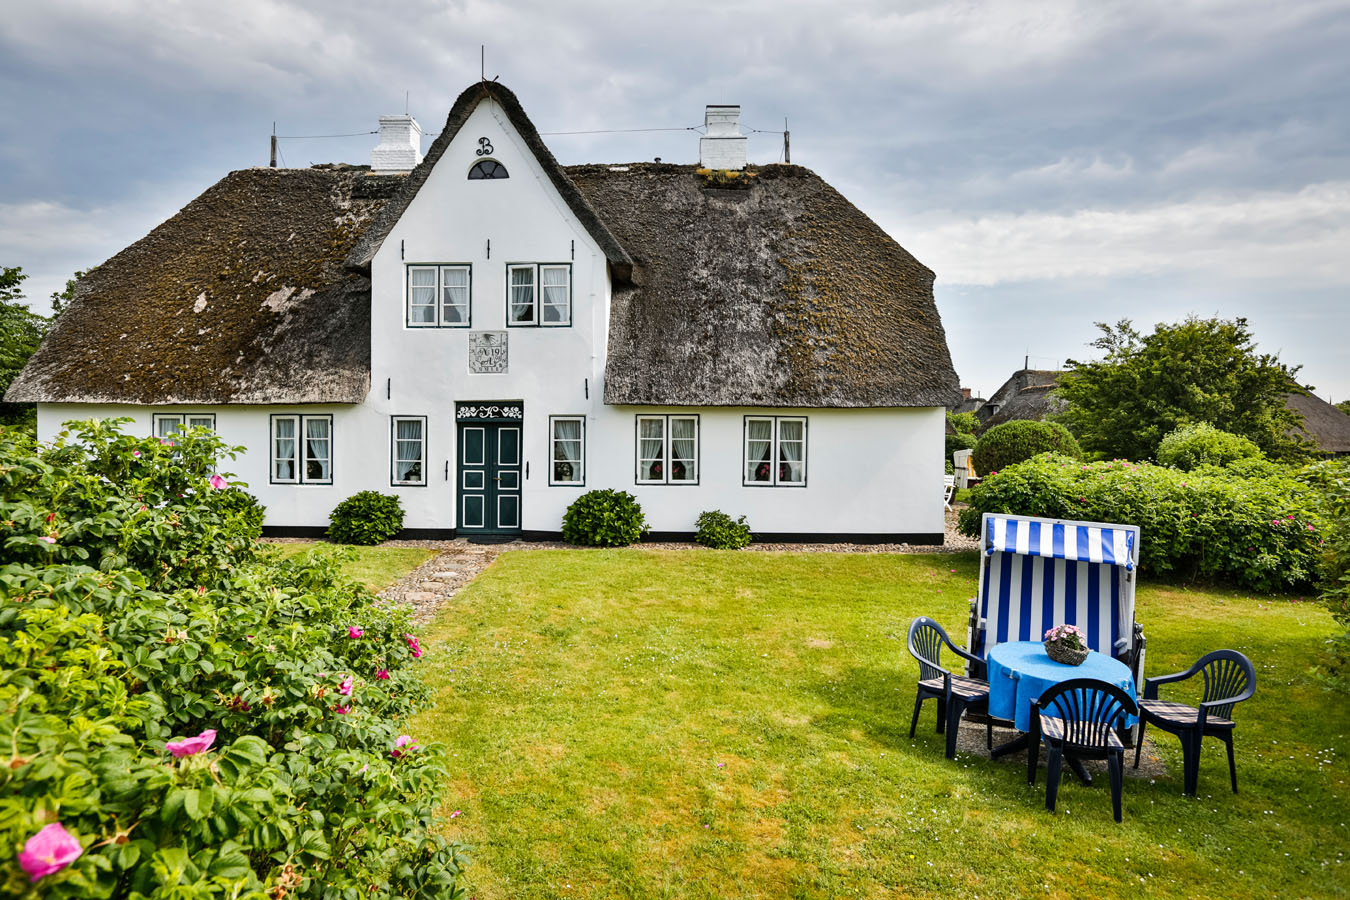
[(954, 693), (1079, 718), (1229, 679)]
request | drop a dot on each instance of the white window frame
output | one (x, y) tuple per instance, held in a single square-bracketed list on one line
[(394, 460), (566, 319), (666, 441), (774, 452), (580, 475), (537, 318), (182, 421), (301, 456), (438, 294), (511, 269)]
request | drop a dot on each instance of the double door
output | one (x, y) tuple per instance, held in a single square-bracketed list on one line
[(489, 478)]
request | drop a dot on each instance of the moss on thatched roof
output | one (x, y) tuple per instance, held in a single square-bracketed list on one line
[(242, 297)]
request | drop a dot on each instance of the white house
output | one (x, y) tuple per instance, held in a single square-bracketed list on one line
[(488, 334)]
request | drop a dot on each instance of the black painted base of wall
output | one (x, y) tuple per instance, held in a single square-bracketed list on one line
[(933, 539)]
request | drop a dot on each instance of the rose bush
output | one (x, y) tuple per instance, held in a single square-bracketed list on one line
[(212, 721)]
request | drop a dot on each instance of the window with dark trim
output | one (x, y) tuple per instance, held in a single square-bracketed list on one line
[(408, 450), (439, 296), (166, 425), (567, 450), (487, 170), (302, 449), (667, 449), (539, 294), (775, 451)]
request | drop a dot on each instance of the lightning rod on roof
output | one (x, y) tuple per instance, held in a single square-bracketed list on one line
[(273, 162), (787, 143)]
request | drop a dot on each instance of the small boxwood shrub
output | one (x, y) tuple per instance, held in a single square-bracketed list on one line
[(720, 531), (604, 518), (1192, 446), (1012, 442), (1263, 533), (368, 517)]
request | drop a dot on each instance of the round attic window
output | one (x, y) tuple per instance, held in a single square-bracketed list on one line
[(486, 169)]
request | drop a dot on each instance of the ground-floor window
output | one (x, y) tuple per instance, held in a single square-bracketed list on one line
[(169, 424), (302, 449), (667, 449), (775, 451), (568, 454), (409, 451)]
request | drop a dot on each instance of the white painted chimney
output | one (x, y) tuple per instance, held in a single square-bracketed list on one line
[(400, 147), (723, 145)]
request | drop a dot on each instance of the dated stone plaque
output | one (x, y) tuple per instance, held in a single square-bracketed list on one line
[(487, 352)]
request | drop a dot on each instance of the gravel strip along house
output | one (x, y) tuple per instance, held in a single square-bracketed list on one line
[(488, 334)]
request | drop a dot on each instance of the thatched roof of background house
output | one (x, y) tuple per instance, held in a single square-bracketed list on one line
[(1323, 424), (780, 293), (242, 297), (1025, 395)]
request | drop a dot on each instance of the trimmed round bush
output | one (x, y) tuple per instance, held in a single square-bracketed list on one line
[(368, 517), (720, 531), (604, 518), (1012, 442), (1192, 446)]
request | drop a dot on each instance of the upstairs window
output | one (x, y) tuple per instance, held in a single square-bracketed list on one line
[(667, 449), (438, 296), (487, 170), (169, 424), (539, 294), (775, 451), (302, 449)]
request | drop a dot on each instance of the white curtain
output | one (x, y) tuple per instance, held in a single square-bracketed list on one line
[(791, 444), (422, 294), (651, 449), (553, 286), (567, 450), (284, 453), (758, 441), (683, 464), (408, 450), (454, 295), (317, 450), (522, 294)]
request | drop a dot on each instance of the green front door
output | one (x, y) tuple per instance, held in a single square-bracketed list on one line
[(489, 478)]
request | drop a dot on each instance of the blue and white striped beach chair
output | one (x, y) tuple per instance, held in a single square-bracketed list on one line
[(1038, 573)]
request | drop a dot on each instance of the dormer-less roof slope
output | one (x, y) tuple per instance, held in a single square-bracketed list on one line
[(242, 297), (620, 262), (1325, 425), (778, 294)]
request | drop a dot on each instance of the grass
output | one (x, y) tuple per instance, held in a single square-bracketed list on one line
[(375, 567), (639, 723)]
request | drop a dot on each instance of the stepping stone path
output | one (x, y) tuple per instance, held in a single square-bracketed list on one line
[(440, 578)]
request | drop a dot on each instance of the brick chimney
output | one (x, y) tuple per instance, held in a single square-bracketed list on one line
[(400, 147), (965, 393), (723, 145)]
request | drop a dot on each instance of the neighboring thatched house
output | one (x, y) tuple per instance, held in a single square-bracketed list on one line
[(1323, 424), (1026, 395), (488, 334)]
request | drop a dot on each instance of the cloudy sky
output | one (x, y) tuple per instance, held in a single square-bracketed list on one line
[(1056, 163)]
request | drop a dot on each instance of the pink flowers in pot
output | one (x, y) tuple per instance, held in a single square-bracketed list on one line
[(1069, 635), (193, 745), (50, 850)]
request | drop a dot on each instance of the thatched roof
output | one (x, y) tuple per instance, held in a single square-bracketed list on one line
[(1028, 394), (242, 297), (778, 293), (620, 262), (1323, 424)]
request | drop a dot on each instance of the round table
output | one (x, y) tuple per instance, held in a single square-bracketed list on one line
[(1020, 671)]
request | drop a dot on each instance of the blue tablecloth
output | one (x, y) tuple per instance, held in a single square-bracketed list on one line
[(1019, 671)]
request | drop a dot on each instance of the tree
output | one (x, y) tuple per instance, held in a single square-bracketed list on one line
[(62, 298), (20, 333), (964, 425), (1344, 406), (1198, 370)]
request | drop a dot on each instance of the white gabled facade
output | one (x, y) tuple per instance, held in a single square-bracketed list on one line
[(857, 473)]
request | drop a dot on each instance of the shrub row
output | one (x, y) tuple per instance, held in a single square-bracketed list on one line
[(1212, 524), (221, 723)]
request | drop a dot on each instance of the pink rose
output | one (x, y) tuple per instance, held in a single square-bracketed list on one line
[(413, 645), (345, 686), (383, 674), (193, 745), (50, 850), (401, 742), (217, 482), (354, 632), (342, 710), (48, 538)]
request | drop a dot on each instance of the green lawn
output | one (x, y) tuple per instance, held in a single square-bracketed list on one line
[(636, 723), (375, 567)]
